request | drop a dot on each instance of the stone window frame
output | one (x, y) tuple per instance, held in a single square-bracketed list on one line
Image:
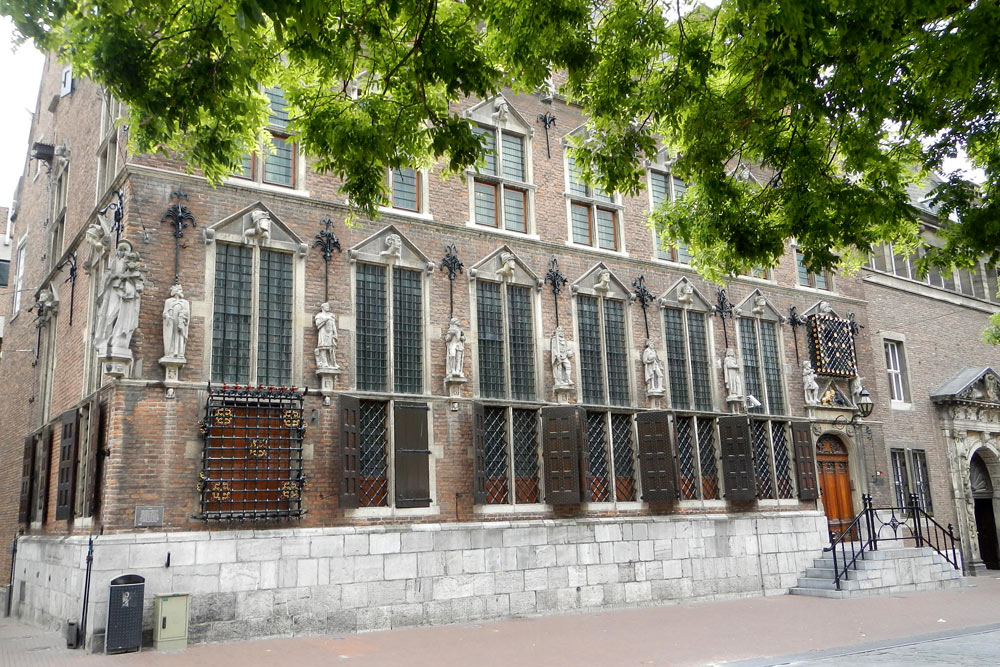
[(422, 191), (698, 459), (822, 281), (668, 300), (58, 202), (592, 199), (912, 477), (745, 312), (961, 282), (292, 245)]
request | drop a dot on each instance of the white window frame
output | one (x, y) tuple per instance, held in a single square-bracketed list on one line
[(500, 182), (19, 256), (894, 355), (593, 203)]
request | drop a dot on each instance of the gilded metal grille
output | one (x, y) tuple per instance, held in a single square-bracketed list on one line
[(686, 459), (490, 344), (673, 328), (371, 313), (621, 444), (591, 373), (751, 363), (831, 346), (231, 319), (274, 323), (762, 459), (252, 459), (597, 456), (706, 453), (701, 374), (373, 482), (782, 467), (772, 367), (614, 334), (525, 433), (495, 443), (407, 331), (522, 343)]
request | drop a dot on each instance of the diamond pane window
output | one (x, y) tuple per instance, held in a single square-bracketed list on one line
[(686, 458), (495, 443), (406, 189), (706, 450), (522, 343), (510, 451), (617, 357), (408, 332), (490, 335), (591, 370), (525, 446), (252, 458), (373, 459), (782, 466), (762, 459), (274, 344), (232, 317), (831, 346), (597, 458), (372, 351), (621, 445)]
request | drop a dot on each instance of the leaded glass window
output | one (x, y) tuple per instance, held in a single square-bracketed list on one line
[(610, 457), (506, 347), (688, 370), (249, 279), (405, 185), (276, 165), (697, 458), (489, 312), (591, 371), (373, 293), (762, 365), (617, 359), (604, 367), (510, 441), (772, 467), (520, 324)]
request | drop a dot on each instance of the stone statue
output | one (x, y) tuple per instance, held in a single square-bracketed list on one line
[(809, 384), (507, 265), (119, 300), (603, 283), (825, 308), (99, 239), (259, 230), (734, 381), (393, 247), (47, 304), (685, 294), (455, 343), (653, 368), (561, 353), (856, 387), (759, 304), (828, 396), (992, 386), (176, 319), (327, 337)]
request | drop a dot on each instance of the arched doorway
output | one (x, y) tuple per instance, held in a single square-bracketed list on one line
[(835, 482), (986, 524)]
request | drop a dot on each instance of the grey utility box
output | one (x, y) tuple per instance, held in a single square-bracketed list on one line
[(170, 618), (123, 632)]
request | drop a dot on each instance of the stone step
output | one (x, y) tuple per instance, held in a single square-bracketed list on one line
[(820, 573), (815, 582), (819, 592)]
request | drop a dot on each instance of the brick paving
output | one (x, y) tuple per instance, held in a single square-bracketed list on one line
[(696, 633)]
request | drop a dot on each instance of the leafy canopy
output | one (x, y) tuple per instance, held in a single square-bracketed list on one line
[(837, 105)]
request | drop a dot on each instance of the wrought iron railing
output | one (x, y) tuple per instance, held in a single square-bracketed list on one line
[(909, 523)]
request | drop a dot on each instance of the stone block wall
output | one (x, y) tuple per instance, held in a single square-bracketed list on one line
[(354, 579)]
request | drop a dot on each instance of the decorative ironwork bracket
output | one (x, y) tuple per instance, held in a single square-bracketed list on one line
[(547, 120), (71, 279), (118, 206), (795, 321), (724, 309), (556, 279), (453, 265), (329, 242), (179, 217), (644, 296)]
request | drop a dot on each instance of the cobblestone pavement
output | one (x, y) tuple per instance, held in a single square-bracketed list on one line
[(748, 632)]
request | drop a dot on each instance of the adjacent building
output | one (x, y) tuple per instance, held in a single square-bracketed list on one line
[(505, 396)]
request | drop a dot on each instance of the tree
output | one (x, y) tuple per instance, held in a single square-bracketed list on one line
[(832, 107)]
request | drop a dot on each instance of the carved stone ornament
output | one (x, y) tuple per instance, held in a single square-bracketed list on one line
[(809, 385), (176, 325), (393, 248), (455, 345), (562, 367), (733, 377), (653, 370), (327, 338), (118, 309), (258, 227)]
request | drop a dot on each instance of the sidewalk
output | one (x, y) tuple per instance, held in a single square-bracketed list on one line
[(695, 633)]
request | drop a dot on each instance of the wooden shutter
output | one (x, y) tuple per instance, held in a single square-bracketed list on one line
[(412, 454), (42, 489), (350, 449), (66, 480), (562, 442), (656, 457), (95, 455), (737, 458), (479, 447), (805, 462), (27, 477)]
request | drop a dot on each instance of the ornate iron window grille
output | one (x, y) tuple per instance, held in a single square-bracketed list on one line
[(373, 457), (706, 451), (623, 450), (597, 456), (762, 459), (252, 459), (495, 441)]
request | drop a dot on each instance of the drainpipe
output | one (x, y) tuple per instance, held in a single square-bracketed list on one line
[(10, 584), (86, 592)]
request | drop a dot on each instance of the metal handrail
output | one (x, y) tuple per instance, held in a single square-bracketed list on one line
[(922, 528)]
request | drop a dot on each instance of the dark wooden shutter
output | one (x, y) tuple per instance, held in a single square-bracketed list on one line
[(562, 443), (737, 458), (412, 454), (66, 480), (805, 461), (27, 479), (479, 452), (350, 449), (42, 489), (656, 457), (95, 449)]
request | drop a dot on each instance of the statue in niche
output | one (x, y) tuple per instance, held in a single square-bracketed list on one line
[(507, 265), (759, 304), (259, 230), (393, 247), (809, 384), (734, 381), (119, 300), (327, 338), (176, 320), (455, 343), (561, 353), (653, 368), (685, 294), (603, 283)]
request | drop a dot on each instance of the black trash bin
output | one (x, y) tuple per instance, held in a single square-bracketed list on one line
[(123, 632)]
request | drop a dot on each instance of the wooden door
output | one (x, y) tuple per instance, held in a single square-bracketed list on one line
[(834, 483)]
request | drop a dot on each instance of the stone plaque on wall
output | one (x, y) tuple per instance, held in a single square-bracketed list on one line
[(148, 515)]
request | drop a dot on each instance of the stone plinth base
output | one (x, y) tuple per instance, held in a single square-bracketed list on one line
[(172, 366), (453, 386), (327, 383)]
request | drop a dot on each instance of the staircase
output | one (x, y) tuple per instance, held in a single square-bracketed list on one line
[(887, 571)]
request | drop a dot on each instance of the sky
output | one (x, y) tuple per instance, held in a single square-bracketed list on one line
[(20, 72)]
